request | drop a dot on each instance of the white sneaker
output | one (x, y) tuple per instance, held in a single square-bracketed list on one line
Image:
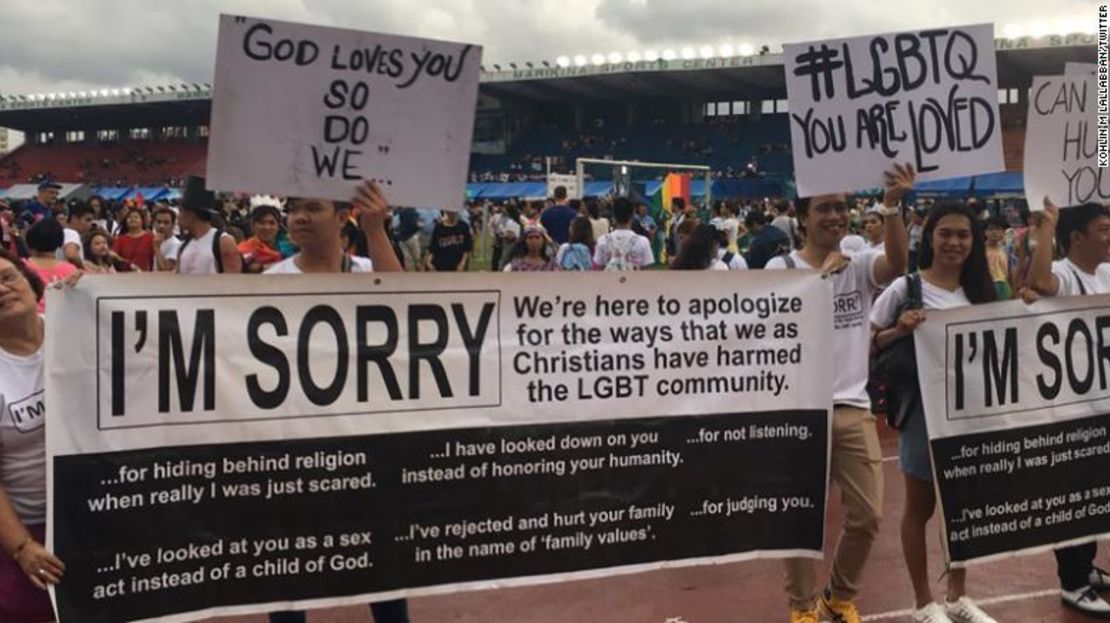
[(1100, 580), (931, 613), (963, 610), (1087, 601)]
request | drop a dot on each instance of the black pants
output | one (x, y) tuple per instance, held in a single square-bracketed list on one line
[(1074, 564), (396, 611)]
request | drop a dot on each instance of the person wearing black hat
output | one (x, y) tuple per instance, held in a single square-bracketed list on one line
[(41, 206), (208, 250)]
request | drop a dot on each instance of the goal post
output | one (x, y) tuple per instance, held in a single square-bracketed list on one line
[(630, 165)]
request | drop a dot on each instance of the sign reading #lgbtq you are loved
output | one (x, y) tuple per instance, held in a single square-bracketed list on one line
[(310, 111), (858, 105)]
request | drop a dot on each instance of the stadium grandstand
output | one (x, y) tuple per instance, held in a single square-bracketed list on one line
[(727, 111)]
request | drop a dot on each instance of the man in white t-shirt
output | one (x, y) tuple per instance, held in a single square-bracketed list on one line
[(166, 244), (78, 223), (203, 253), (314, 226), (1084, 235), (622, 248), (856, 463)]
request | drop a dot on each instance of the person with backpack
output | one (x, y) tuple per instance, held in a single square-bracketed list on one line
[(578, 252), (1083, 233), (622, 248), (953, 272), (729, 258), (766, 242), (856, 460), (207, 250)]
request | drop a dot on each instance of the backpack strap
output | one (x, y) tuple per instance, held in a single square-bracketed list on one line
[(184, 243), (913, 289), (727, 258), (345, 265), (216, 250), (1082, 288), (790, 263)]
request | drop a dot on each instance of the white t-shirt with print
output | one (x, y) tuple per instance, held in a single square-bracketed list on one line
[(289, 267), (23, 434), (1067, 272), (885, 309), (853, 289), (639, 248)]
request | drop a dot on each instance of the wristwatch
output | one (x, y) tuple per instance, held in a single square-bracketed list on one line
[(895, 211)]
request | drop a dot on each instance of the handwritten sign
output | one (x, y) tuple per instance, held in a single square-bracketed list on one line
[(1061, 143), (310, 111), (569, 182), (859, 105)]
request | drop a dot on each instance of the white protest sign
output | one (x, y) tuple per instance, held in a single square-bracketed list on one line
[(570, 182), (457, 428), (1017, 407), (1080, 69), (309, 111), (1061, 143), (859, 105)]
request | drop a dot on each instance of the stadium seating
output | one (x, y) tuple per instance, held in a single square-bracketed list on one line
[(726, 144), (128, 163)]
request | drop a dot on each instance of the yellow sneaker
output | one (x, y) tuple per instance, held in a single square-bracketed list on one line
[(839, 610), (803, 616)]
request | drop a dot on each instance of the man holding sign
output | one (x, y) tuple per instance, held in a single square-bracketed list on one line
[(1084, 234), (856, 459)]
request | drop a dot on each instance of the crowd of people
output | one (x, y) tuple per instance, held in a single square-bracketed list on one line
[(901, 260)]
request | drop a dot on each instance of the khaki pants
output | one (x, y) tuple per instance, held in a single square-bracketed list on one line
[(856, 467), (411, 250)]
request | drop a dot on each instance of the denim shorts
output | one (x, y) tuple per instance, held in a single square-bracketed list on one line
[(913, 448)]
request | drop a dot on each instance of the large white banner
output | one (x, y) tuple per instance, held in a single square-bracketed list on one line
[(462, 431), (859, 105), (310, 111), (1017, 402), (1061, 142)]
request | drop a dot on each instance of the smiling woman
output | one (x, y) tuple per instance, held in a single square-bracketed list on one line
[(26, 567)]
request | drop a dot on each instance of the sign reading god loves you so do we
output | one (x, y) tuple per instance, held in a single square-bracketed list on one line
[(310, 111), (859, 105)]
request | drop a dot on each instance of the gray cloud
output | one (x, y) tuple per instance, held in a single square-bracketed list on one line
[(65, 45)]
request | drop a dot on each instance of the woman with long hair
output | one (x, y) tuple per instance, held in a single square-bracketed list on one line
[(953, 273), (135, 244), (99, 256), (699, 250), (578, 251), (27, 568), (531, 253)]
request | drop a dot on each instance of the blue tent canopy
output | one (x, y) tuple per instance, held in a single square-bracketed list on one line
[(948, 187), (111, 193), (1004, 183)]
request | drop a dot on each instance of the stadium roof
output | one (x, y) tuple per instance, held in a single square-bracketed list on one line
[(750, 77)]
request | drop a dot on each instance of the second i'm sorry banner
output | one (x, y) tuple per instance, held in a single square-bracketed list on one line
[(244, 444), (1018, 411)]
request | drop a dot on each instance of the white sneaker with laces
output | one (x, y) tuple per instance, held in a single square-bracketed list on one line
[(1100, 580), (931, 613), (963, 610), (1087, 601)]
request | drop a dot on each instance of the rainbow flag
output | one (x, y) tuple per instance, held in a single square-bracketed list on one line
[(674, 185)]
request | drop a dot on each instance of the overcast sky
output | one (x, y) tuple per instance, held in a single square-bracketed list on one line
[(71, 45)]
